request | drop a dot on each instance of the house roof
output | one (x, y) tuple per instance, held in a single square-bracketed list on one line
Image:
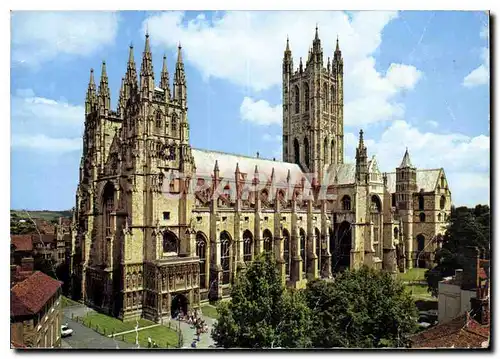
[(461, 332), (205, 163), (426, 180), (345, 173), (22, 242), (30, 295)]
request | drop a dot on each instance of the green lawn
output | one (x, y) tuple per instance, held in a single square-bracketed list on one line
[(414, 274), (67, 302), (418, 291), (111, 325), (163, 336), (210, 311)]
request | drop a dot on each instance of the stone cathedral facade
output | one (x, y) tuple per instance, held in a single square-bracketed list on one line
[(162, 226)]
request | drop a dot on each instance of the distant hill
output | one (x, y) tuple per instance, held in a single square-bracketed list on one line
[(46, 215)]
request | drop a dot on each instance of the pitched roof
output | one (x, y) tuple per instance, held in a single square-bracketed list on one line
[(406, 160), (426, 179), (205, 163), (22, 242), (457, 333), (30, 295), (345, 173)]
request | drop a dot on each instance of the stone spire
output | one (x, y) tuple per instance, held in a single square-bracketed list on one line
[(104, 96), (406, 160), (287, 59), (165, 79), (361, 160), (317, 51), (147, 74), (180, 80), (121, 98), (131, 75), (90, 98), (337, 55)]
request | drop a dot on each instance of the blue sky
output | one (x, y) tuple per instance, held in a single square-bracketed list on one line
[(412, 79)]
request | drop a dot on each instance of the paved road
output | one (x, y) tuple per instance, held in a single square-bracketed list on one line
[(86, 338)]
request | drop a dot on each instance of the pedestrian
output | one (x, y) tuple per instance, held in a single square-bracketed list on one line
[(149, 342), (193, 344)]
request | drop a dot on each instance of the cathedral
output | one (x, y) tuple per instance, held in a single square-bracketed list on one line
[(161, 226)]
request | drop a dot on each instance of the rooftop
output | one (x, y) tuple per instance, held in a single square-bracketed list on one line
[(29, 296)]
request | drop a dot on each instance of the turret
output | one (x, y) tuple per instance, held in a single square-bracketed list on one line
[(91, 97), (131, 76), (121, 99), (104, 96), (361, 161), (147, 74), (287, 59), (406, 182), (338, 61), (180, 90), (165, 79), (317, 51)]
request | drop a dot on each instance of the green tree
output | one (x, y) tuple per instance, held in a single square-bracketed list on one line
[(364, 308), (468, 227), (262, 313)]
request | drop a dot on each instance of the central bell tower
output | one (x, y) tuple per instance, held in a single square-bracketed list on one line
[(313, 109)]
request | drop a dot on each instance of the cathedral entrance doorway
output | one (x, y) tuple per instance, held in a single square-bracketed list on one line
[(179, 304), (343, 245)]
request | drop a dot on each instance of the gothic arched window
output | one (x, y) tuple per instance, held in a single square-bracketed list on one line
[(297, 99), (303, 250), (325, 97), (332, 158), (174, 125), (170, 243), (442, 202), (332, 96), (286, 251), (225, 256), (306, 151), (420, 202), (201, 251), (306, 96), (108, 200), (325, 151), (346, 203), (422, 217), (296, 149), (247, 246), (268, 241), (158, 119)]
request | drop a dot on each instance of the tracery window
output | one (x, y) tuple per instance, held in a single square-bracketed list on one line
[(201, 251), (225, 257)]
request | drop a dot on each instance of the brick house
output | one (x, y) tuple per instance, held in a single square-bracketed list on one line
[(35, 312)]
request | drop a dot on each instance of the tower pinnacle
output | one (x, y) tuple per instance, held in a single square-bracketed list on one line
[(165, 79), (104, 96)]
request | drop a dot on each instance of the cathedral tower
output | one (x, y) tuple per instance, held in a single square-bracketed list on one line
[(313, 131)]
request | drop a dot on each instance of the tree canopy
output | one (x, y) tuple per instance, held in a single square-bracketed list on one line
[(468, 227), (262, 313), (364, 308)]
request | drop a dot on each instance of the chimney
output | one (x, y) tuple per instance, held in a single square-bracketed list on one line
[(27, 264), (459, 276)]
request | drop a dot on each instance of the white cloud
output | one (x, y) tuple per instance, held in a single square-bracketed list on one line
[(465, 159), (246, 48), (260, 112), (478, 76), (485, 32), (45, 124), (44, 143), (271, 138), (481, 74), (40, 36), (433, 124)]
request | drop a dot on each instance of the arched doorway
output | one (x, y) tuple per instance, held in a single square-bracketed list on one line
[(343, 246), (179, 304), (420, 251)]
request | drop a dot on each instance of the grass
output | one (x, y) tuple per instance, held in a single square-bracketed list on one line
[(47, 215), (163, 336), (109, 325), (210, 311), (67, 302), (413, 274), (419, 291)]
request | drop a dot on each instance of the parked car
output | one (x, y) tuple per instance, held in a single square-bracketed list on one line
[(66, 331)]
